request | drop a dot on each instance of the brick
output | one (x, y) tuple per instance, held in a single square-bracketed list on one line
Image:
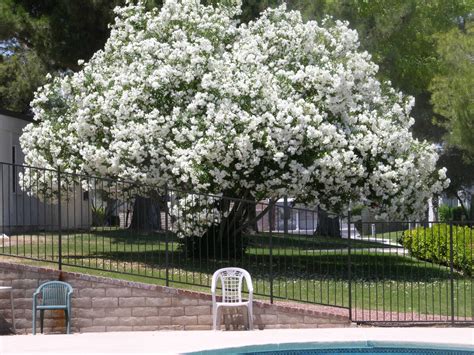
[(104, 302), (118, 292), (131, 321), (27, 293), (23, 323), (158, 320), (93, 329), (145, 328), (5, 304), (132, 301), (119, 328), (171, 327), (5, 295), (290, 318), (158, 302), (88, 313), (118, 312), (197, 310), (82, 322), (184, 320), (143, 293), (105, 321), (79, 284), (185, 302), (92, 292), (144, 311), (18, 293), (205, 320), (18, 303), (267, 319), (171, 311), (205, 302), (83, 302), (314, 320), (22, 283)]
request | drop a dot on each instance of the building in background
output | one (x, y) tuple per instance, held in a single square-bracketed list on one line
[(19, 211)]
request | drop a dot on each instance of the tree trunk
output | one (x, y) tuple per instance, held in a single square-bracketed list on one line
[(462, 206), (471, 209), (328, 226), (228, 239), (146, 214)]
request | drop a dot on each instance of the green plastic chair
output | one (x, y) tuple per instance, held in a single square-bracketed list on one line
[(52, 295)]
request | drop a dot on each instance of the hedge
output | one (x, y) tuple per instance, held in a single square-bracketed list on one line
[(432, 244)]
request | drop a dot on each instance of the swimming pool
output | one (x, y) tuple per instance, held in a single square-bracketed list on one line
[(344, 348)]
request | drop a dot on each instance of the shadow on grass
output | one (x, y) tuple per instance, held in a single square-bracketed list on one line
[(364, 267)]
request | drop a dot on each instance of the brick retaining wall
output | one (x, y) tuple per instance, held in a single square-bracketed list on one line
[(101, 304)]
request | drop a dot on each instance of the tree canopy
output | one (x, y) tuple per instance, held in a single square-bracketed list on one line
[(453, 87), (186, 96), (41, 36)]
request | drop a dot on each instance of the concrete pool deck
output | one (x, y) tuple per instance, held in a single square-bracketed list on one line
[(175, 342)]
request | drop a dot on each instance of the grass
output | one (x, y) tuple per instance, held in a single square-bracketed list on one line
[(304, 268)]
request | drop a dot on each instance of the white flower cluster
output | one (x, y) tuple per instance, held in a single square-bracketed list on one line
[(189, 97), (193, 214)]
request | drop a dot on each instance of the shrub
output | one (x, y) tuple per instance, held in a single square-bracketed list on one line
[(447, 213), (432, 244), (98, 217)]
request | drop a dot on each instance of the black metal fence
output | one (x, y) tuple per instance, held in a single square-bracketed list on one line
[(380, 272)]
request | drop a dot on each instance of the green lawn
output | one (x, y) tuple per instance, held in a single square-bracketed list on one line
[(304, 268)]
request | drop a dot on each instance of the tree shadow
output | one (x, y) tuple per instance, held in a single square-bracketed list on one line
[(324, 265)]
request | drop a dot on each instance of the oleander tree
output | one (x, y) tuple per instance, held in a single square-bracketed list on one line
[(190, 98)]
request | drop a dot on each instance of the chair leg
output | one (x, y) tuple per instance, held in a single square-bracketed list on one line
[(214, 318), (41, 319), (34, 320), (250, 316), (68, 325)]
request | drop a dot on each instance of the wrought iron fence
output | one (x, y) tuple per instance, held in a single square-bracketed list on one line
[(381, 272)]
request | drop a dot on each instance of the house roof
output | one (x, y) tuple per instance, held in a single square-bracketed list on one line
[(18, 115)]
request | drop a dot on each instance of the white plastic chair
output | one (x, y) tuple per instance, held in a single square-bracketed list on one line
[(231, 283)]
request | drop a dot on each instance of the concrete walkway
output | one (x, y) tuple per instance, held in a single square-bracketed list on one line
[(175, 342)]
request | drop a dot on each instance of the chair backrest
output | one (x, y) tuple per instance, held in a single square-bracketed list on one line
[(231, 282), (54, 293)]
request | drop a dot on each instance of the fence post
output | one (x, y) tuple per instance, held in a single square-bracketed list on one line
[(166, 236), (60, 247), (451, 269), (270, 229), (349, 270)]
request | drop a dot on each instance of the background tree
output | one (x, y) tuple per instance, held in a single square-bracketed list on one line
[(453, 86), (46, 36)]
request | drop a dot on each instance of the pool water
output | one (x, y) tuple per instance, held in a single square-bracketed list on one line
[(360, 351), (344, 349)]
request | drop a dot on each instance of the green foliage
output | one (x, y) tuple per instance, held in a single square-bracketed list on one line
[(460, 170), (20, 75), (40, 36), (452, 88), (447, 213), (98, 217), (433, 244), (357, 210)]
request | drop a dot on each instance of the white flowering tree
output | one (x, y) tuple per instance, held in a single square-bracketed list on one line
[(188, 97)]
